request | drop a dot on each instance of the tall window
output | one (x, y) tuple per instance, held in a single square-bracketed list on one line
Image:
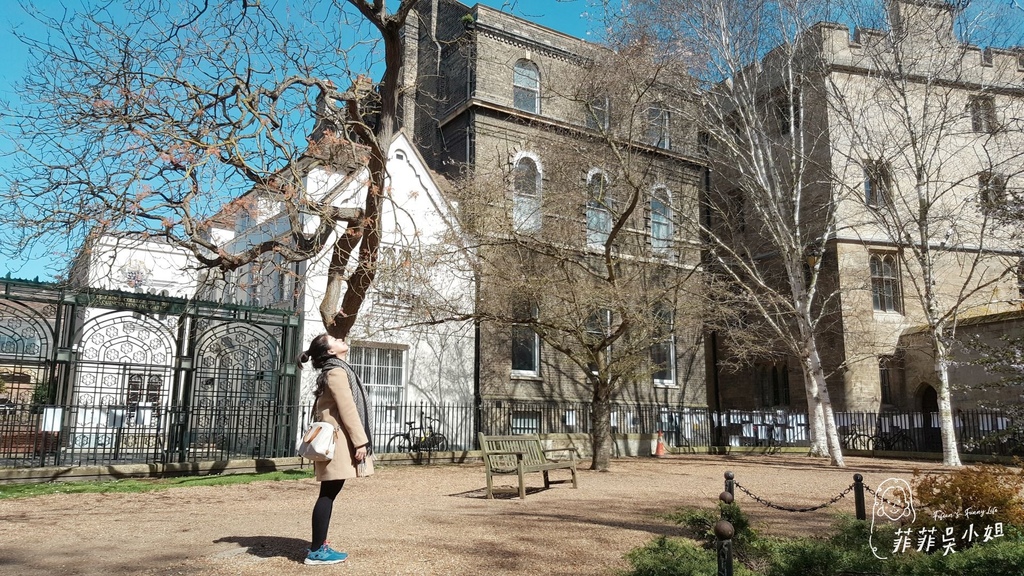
[(663, 351), (983, 114), (877, 184), (526, 87), (737, 210), (991, 190), (144, 391), (885, 378), (657, 129), (394, 282), (787, 112), (597, 113), (703, 143), (381, 370), (526, 192), (773, 383), (661, 220), (599, 214), (598, 327), (885, 287), (1020, 279), (525, 345)]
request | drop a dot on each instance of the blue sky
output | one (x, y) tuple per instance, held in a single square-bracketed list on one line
[(568, 16)]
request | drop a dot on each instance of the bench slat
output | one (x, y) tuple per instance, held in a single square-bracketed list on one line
[(522, 454)]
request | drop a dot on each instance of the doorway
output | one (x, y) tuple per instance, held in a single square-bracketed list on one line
[(931, 435)]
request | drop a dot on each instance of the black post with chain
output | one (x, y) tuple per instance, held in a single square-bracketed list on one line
[(724, 531), (858, 496)]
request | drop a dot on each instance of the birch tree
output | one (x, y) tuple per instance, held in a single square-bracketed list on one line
[(929, 126), (770, 205), (146, 120)]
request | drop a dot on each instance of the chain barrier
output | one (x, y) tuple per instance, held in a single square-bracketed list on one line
[(768, 504)]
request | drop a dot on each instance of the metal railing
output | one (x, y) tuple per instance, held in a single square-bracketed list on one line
[(984, 432), (78, 435), (83, 435)]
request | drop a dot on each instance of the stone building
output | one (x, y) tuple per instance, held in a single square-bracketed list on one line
[(912, 155), (524, 116)]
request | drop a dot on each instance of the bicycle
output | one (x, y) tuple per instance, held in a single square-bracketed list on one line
[(899, 440), (418, 438), (852, 440)]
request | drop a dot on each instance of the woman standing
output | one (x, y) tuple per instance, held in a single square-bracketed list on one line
[(342, 402)]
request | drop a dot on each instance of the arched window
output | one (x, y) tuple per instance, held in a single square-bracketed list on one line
[(597, 113), (526, 87), (599, 214), (661, 219), (885, 286), (526, 195), (658, 124)]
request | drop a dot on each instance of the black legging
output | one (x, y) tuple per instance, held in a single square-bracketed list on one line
[(329, 489)]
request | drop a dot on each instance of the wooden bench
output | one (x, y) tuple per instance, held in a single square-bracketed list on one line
[(520, 455)]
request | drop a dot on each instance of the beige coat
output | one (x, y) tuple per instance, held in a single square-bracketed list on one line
[(337, 407)]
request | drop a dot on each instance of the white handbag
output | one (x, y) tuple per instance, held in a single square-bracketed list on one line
[(317, 443)]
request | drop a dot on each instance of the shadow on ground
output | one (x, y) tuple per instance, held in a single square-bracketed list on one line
[(269, 546)]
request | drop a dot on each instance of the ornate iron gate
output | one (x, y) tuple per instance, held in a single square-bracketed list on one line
[(100, 377)]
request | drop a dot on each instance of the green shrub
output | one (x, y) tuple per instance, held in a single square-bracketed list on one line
[(847, 548), (671, 557), (700, 524), (1002, 557), (675, 557)]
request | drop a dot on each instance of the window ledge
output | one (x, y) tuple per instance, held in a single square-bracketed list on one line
[(527, 376)]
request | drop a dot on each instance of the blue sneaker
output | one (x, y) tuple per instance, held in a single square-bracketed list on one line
[(325, 555)]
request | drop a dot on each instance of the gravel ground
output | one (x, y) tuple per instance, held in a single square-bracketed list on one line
[(423, 520)]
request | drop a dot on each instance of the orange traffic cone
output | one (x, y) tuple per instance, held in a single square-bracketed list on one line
[(659, 451)]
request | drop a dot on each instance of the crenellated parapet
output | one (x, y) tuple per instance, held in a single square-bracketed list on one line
[(920, 43)]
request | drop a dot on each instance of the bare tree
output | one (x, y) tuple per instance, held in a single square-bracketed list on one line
[(770, 209), (930, 131), (577, 234), (146, 121)]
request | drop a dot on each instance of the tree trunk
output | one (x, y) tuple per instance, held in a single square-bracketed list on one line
[(815, 420), (379, 143), (832, 435), (601, 428), (950, 450), (819, 392)]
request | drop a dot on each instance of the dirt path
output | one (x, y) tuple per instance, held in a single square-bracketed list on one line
[(429, 520)]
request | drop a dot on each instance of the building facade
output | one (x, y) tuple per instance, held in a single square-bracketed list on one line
[(912, 143), (547, 155)]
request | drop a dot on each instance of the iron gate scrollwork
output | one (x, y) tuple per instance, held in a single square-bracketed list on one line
[(102, 377), (238, 367), (121, 386)]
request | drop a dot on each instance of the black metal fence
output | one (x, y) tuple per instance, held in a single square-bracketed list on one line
[(77, 435), (984, 432), (83, 435)]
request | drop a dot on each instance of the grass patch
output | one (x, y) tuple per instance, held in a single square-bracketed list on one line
[(134, 485)]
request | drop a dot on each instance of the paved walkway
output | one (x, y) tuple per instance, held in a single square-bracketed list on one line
[(429, 520)]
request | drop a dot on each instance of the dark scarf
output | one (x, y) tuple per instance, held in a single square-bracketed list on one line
[(363, 407)]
